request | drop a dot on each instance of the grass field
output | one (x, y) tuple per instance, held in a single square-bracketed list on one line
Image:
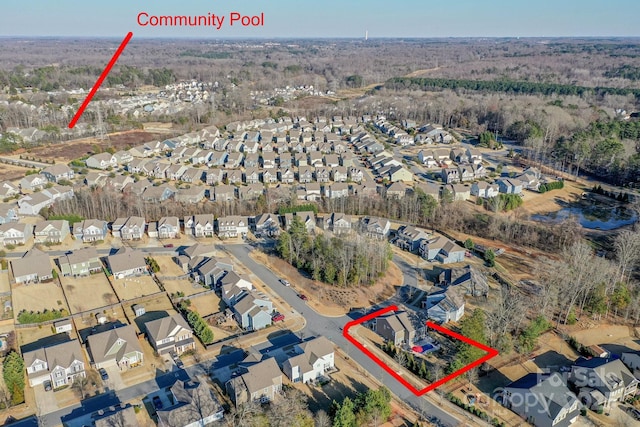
[(134, 287), (207, 304), (37, 297), (89, 292)]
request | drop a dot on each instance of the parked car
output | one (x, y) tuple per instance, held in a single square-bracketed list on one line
[(303, 297), (47, 385), (285, 282), (634, 412), (157, 403), (103, 374), (278, 317), (168, 245)]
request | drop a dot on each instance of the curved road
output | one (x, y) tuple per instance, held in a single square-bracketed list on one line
[(331, 327)]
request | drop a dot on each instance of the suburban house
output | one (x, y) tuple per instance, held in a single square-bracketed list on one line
[(222, 193), (450, 175), (375, 227), (338, 223), (308, 219), (32, 204), (123, 415), (117, 346), (33, 182), (468, 278), (441, 249), (313, 359), (199, 225), (170, 334), (90, 230), (102, 161), (58, 363), (484, 189), (127, 262), (15, 233), (233, 287), (58, 172), (509, 186), (410, 238), (195, 405), (8, 213), (444, 305), (81, 262), (458, 192), (8, 189), (209, 271), (268, 224), (168, 227), (253, 311), (51, 231), (395, 327), (397, 190), (542, 400), (33, 267), (260, 382), (131, 228), (602, 381), (232, 226)]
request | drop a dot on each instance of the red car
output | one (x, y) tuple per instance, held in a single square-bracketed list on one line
[(168, 245), (303, 297), (278, 317)]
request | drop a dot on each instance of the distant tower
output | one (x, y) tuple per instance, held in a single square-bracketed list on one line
[(101, 131), (366, 35)]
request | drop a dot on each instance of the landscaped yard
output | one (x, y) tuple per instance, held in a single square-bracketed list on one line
[(134, 287), (88, 292), (38, 297)]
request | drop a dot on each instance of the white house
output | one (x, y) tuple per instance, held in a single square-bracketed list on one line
[(314, 359)]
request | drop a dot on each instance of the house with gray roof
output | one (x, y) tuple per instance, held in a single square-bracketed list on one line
[(542, 400), (33, 182), (260, 382), (375, 227), (15, 233), (199, 225), (602, 381), (313, 359), (33, 267), (441, 249), (253, 311), (59, 363), (131, 228), (32, 204), (395, 327), (127, 262), (51, 231), (57, 172), (410, 237), (81, 262), (444, 305), (195, 405), (338, 223), (90, 230), (232, 226), (468, 278), (169, 227), (170, 334), (268, 224), (118, 346)]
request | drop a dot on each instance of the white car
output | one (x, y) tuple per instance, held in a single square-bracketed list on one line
[(285, 282)]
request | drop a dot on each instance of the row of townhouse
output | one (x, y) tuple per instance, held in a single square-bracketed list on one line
[(442, 157), (259, 379)]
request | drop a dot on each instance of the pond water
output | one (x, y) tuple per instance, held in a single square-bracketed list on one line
[(592, 216)]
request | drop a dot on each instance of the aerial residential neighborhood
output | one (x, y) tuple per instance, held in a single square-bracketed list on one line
[(346, 232)]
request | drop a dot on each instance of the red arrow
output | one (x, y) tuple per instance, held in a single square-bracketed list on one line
[(103, 76)]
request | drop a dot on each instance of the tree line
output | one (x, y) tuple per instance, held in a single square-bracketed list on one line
[(506, 86)]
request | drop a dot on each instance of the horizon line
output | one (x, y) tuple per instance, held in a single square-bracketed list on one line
[(267, 38)]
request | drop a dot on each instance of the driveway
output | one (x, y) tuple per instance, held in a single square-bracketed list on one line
[(46, 400)]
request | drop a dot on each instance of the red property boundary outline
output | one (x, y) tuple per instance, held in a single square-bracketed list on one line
[(103, 76), (490, 351)]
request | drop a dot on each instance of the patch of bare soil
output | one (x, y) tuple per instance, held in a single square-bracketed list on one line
[(331, 300), (70, 150)]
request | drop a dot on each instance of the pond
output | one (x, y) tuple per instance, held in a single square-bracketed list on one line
[(595, 216)]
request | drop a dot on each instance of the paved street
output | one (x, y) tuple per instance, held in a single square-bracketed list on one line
[(331, 327)]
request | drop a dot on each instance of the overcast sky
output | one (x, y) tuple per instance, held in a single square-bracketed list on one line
[(328, 18)]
